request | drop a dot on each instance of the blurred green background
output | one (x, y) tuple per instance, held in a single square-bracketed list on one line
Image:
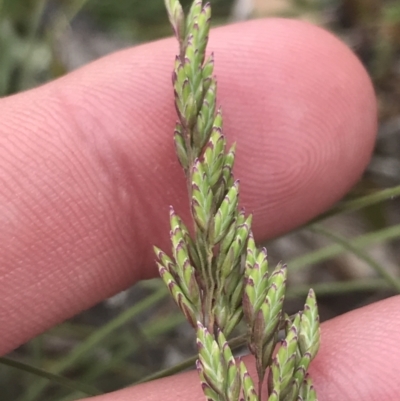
[(350, 256)]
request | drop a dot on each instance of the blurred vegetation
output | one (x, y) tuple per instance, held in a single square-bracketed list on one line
[(121, 342), (147, 19), (29, 30)]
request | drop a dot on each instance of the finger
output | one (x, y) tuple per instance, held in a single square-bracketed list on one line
[(88, 165), (359, 359)]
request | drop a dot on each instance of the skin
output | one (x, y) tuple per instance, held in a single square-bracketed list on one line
[(88, 171)]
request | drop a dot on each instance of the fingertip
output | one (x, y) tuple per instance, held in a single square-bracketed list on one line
[(304, 119), (359, 358)]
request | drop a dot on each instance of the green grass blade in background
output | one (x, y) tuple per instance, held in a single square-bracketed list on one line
[(341, 287), (150, 332), (362, 202), (346, 244), (331, 251), (95, 340), (54, 378)]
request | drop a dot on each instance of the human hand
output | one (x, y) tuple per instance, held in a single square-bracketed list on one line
[(88, 171)]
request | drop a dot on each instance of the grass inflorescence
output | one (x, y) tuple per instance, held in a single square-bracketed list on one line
[(216, 274)]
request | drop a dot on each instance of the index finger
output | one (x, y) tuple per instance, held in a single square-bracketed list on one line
[(88, 165)]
